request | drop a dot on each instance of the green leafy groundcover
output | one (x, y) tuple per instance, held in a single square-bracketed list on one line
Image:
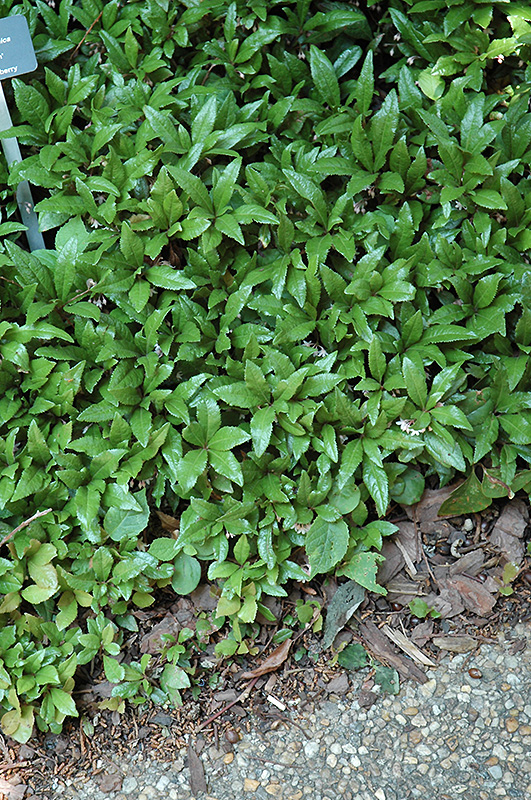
[(287, 280)]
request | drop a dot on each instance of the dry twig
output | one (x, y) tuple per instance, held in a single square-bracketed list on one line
[(24, 524), (84, 37), (240, 697)]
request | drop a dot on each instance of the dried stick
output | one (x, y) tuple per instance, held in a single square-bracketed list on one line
[(415, 522), (24, 524), (240, 697), (84, 37)]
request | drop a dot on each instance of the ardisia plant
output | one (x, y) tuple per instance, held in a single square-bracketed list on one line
[(286, 282)]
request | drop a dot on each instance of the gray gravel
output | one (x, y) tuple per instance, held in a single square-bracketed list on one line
[(455, 736)]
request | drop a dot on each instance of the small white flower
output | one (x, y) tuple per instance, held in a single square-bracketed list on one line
[(406, 425), (302, 527)]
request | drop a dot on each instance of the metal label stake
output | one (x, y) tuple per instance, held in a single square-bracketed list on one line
[(17, 57)]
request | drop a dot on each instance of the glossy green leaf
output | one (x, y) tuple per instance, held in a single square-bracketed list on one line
[(163, 549), (190, 467), (415, 382), (186, 575), (377, 483), (224, 462), (262, 428), (227, 438), (63, 702), (114, 671), (324, 77), (365, 85), (326, 544)]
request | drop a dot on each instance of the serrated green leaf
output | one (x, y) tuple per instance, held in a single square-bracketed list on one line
[(362, 568), (517, 427), (444, 453), (229, 226), (486, 290), (63, 702), (114, 671), (163, 549), (377, 482), (324, 77), (227, 438), (365, 85), (262, 428), (489, 198), (131, 246), (326, 544), (432, 85), (123, 524), (328, 436), (193, 186), (226, 464), (38, 594), (168, 278), (351, 458), (242, 549), (415, 381), (377, 362), (65, 268), (204, 121), (190, 467), (383, 127), (223, 189)]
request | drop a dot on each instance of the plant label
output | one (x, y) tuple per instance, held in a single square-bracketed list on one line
[(17, 55)]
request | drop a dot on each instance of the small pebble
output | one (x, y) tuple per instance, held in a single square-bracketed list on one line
[(274, 789), (427, 689), (311, 749), (470, 735)]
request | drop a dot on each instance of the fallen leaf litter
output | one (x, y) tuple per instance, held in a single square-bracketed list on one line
[(464, 588)]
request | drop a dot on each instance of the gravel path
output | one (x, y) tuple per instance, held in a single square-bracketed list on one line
[(455, 736)]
